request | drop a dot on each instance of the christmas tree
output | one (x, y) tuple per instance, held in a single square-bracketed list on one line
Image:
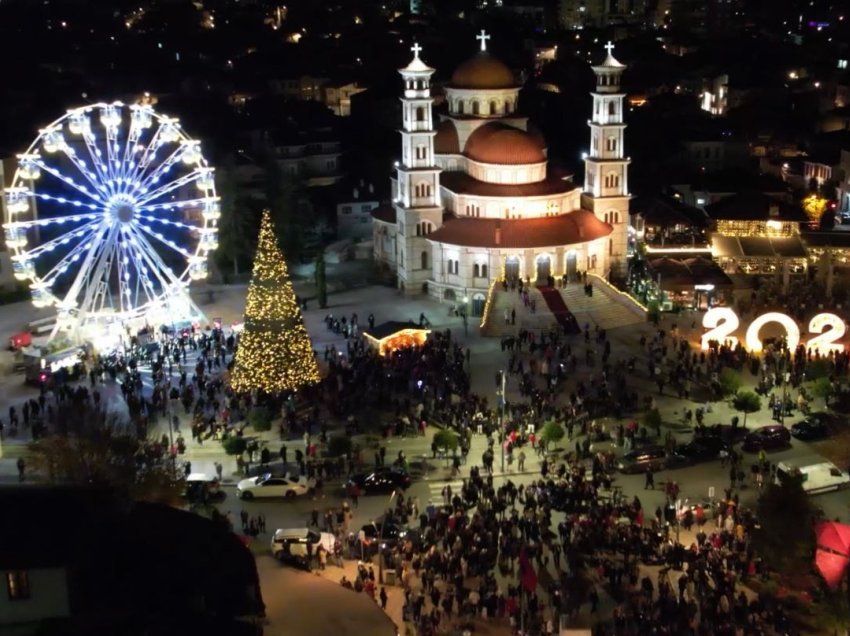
[(274, 352)]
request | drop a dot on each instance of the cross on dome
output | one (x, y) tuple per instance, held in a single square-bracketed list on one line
[(416, 49), (609, 47), (483, 37)]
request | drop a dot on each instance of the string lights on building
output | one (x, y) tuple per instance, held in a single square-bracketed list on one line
[(274, 353)]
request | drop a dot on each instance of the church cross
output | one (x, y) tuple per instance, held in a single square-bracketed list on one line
[(416, 49), (483, 37), (609, 47)]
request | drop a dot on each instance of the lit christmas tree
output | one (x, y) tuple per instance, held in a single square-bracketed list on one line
[(274, 352)]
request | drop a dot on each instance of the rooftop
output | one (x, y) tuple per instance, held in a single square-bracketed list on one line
[(574, 227), (462, 183), (755, 206)]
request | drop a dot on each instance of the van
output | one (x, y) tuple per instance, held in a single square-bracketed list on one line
[(291, 544), (818, 477), (203, 488)]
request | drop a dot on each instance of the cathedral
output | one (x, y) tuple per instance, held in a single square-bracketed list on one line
[(474, 200)]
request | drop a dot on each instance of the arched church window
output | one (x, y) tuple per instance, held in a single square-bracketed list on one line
[(476, 108), (475, 271), (424, 258), (420, 113), (459, 107), (612, 108), (493, 108), (483, 271), (509, 106)]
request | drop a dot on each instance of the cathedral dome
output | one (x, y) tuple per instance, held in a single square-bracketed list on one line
[(482, 72), (504, 145), (446, 140)]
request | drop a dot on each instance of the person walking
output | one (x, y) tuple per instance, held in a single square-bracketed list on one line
[(383, 597), (649, 483), (22, 466), (521, 461)]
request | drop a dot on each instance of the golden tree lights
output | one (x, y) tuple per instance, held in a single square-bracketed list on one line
[(274, 353)]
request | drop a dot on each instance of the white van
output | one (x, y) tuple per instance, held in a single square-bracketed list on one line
[(290, 545), (818, 477)]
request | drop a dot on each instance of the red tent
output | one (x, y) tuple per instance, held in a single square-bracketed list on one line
[(833, 553)]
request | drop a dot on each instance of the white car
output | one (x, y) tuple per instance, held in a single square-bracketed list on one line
[(291, 544), (267, 485)]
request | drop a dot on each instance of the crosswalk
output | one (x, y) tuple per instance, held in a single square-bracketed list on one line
[(435, 490)]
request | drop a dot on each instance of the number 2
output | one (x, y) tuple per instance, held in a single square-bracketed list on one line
[(824, 343), (721, 323)]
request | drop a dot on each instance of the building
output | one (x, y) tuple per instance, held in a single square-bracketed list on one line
[(843, 190), (580, 14), (311, 155), (474, 199), (755, 233), (337, 96), (354, 208)]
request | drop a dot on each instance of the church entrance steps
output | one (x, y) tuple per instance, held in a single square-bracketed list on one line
[(502, 301), (601, 309)]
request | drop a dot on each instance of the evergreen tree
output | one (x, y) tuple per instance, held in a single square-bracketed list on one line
[(274, 352)]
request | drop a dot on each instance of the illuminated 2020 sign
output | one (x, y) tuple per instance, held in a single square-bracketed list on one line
[(722, 322)]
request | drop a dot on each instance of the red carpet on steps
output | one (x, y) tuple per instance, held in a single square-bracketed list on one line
[(558, 307)]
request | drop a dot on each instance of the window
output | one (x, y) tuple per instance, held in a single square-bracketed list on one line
[(612, 109), (424, 258), (493, 108), (509, 107), (346, 209), (610, 247), (483, 271), (460, 107), (18, 585), (420, 114), (612, 144), (365, 209), (475, 271), (421, 152), (475, 108)]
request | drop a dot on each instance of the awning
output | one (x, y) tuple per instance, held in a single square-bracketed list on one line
[(391, 336), (725, 247), (757, 247)]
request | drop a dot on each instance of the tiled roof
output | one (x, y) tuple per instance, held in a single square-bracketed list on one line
[(574, 227), (754, 206), (462, 183), (501, 144), (384, 213), (482, 71), (446, 140)]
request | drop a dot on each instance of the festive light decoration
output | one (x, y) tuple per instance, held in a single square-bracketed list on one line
[(274, 353)]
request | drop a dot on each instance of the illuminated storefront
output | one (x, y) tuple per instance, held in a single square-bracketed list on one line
[(392, 336)]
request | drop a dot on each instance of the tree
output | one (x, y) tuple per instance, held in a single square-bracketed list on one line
[(814, 206), (260, 419), (652, 419), (234, 222), (823, 388), (730, 381), (321, 280), (234, 445), (551, 433), (274, 352), (446, 440), (746, 402), (99, 456), (787, 547), (820, 368)]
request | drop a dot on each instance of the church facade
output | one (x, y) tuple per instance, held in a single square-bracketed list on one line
[(475, 200)]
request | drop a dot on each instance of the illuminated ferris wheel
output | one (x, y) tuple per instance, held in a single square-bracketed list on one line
[(111, 214)]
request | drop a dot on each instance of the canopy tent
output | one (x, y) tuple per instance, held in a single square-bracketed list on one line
[(833, 552), (391, 336)]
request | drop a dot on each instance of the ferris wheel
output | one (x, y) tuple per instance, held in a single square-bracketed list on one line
[(112, 212)]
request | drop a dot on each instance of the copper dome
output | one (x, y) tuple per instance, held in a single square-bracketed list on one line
[(446, 141), (501, 144), (482, 72)]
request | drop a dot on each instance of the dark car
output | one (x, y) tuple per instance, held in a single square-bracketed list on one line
[(388, 533), (772, 437), (816, 426), (638, 460), (380, 480), (701, 449)]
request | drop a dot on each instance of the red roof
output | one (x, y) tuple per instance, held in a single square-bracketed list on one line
[(501, 144), (446, 141), (578, 226), (384, 213), (462, 183), (482, 71)]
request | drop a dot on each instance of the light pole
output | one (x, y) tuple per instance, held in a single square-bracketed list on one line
[(500, 392), (381, 544)]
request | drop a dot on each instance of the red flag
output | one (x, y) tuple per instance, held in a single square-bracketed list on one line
[(527, 575)]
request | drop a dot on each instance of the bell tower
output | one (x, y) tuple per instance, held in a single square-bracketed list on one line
[(606, 176), (416, 195)]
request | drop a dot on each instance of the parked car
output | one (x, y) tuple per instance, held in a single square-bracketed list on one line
[(771, 437), (267, 485), (381, 480), (291, 545), (816, 426), (639, 459), (817, 476), (203, 488), (700, 449)]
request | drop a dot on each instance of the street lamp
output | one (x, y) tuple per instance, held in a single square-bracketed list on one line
[(381, 543)]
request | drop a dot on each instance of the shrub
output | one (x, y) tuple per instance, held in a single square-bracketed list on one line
[(730, 381), (260, 419), (447, 440), (234, 445), (551, 433), (339, 445)]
